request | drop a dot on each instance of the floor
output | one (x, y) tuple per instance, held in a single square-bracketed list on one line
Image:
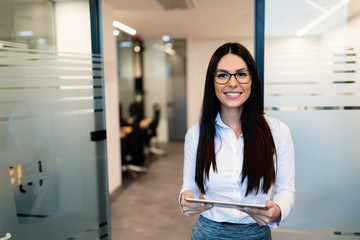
[(146, 206)]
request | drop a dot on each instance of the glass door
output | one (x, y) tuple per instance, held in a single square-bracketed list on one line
[(312, 83), (53, 177)]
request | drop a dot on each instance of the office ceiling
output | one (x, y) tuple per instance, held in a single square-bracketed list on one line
[(215, 19), (203, 18)]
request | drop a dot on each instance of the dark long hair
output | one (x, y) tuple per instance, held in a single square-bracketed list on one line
[(259, 146)]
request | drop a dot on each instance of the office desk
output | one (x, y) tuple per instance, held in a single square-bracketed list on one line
[(126, 130), (145, 122)]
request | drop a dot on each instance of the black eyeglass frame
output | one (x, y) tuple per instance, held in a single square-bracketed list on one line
[(232, 74)]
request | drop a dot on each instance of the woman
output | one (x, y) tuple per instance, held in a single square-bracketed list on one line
[(237, 154)]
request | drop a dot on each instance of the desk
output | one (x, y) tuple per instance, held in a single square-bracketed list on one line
[(126, 130), (145, 122)]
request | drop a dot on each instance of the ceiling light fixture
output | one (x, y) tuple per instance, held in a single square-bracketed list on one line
[(116, 32), (166, 38), (321, 18), (124, 28)]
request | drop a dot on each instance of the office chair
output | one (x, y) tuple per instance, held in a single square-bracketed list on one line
[(122, 121), (151, 132), (132, 150)]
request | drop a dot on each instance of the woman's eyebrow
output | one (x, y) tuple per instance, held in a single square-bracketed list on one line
[(238, 70)]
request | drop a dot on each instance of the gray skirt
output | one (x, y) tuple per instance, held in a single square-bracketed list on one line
[(206, 229)]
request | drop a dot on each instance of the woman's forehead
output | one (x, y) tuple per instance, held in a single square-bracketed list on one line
[(231, 62)]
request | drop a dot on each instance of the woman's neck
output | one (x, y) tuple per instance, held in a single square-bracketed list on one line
[(231, 117)]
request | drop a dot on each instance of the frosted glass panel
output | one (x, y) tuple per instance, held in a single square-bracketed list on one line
[(312, 83), (53, 177)]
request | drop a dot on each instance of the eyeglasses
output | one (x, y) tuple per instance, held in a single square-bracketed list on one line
[(223, 77)]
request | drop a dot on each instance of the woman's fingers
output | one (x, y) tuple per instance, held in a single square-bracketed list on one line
[(260, 219), (197, 208), (190, 211), (186, 194), (264, 217), (258, 215)]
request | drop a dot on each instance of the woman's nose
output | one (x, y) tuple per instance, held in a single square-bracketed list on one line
[(233, 81)]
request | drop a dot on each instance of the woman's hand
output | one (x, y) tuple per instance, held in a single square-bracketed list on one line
[(191, 209), (264, 217)]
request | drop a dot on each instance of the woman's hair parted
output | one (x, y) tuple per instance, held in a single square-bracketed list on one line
[(259, 146)]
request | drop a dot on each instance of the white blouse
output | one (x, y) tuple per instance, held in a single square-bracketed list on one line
[(225, 184)]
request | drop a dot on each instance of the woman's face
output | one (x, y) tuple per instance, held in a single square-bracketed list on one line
[(233, 94)]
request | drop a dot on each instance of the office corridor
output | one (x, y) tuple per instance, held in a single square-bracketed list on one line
[(147, 207)]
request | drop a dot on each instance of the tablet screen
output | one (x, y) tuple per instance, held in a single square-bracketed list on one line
[(226, 204)]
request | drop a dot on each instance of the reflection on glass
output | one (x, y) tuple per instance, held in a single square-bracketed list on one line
[(312, 83), (53, 177), (27, 24)]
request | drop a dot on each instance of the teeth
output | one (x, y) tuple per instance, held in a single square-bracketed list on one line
[(232, 94)]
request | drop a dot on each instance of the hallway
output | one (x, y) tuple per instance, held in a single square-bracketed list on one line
[(147, 207)]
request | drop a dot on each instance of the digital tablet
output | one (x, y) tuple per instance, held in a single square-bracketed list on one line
[(226, 204)]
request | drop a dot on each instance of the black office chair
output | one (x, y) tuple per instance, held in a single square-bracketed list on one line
[(136, 111), (122, 120), (132, 151), (151, 132), (132, 146)]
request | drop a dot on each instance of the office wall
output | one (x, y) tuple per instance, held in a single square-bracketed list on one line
[(111, 98), (73, 27), (353, 26), (198, 56)]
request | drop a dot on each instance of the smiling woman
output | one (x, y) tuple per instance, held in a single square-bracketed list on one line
[(232, 153)]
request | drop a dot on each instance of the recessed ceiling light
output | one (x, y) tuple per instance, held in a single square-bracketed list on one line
[(124, 28), (116, 32), (166, 38)]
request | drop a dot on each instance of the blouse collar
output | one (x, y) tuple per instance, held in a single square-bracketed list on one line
[(219, 121)]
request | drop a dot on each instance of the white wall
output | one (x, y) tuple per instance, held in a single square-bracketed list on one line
[(73, 27), (198, 55), (111, 98), (353, 26)]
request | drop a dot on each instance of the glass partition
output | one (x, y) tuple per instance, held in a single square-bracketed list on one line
[(312, 83), (53, 166), (126, 75), (27, 24)]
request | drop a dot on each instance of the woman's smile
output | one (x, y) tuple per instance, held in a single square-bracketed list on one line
[(233, 95)]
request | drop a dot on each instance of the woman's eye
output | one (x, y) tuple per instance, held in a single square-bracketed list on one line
[(241, 74), (222, 75)]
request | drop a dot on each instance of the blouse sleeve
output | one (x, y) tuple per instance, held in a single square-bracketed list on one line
[(190, 150), (284, 194)]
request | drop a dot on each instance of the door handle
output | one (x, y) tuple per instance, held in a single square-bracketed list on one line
[(7, 236)]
